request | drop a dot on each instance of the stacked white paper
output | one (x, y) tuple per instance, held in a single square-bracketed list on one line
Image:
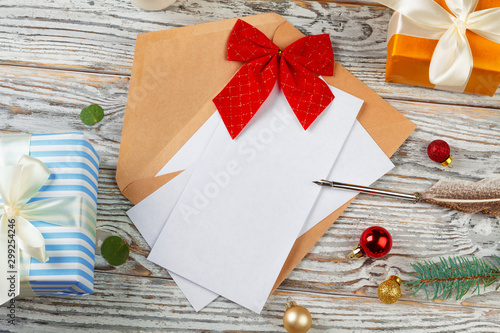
[(226, 225)]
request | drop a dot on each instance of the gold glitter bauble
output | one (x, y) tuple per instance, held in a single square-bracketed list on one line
[(296, 319), (390, 291)]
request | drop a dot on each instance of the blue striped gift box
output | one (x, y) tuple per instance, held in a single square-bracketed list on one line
[(75, 168)]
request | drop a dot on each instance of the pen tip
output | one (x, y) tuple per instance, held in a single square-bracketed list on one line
[(322, 182)]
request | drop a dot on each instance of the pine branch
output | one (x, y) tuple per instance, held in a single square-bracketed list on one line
[(458, 274)]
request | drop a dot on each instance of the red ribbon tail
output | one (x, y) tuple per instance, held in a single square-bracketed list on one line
[(242, 97), (307, 94)]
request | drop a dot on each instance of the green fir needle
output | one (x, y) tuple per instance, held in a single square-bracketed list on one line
[(455, 274)]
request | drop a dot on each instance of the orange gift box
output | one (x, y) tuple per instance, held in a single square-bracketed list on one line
[(409, 58)]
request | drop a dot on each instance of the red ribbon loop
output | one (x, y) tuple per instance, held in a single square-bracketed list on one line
[(298, 65)]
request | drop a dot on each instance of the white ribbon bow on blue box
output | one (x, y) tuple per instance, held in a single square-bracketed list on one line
[(46, 212)]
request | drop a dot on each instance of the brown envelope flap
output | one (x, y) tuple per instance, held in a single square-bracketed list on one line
[(175, 76), (304, 243), (141, 188), (153, 131), (385, 124), (152, 135)]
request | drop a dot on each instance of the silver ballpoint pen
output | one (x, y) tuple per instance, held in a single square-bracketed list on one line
[(415, 197)]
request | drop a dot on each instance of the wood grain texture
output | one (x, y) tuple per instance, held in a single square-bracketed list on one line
[(99, 36), (57, 57), (127, 303), (57, 97), (42, 101), (426, 233)]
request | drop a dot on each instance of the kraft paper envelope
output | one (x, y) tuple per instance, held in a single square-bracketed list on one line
[(361, 161), (176, 74)]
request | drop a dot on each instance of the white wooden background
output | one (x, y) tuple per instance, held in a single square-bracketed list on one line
[(57, 56)]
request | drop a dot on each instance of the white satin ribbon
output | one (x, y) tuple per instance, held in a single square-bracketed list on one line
[(18, 184), (452, 63)]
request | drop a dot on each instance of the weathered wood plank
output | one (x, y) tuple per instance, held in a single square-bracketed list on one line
[(39, 101), (126, 303), (420, 232), (32, 107), (99, 36)]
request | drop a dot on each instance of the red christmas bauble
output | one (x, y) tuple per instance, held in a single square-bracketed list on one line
[(375, 242), (438, 151)]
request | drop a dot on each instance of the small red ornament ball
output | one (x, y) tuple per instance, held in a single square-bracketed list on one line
[(438, 151), (375, 242)]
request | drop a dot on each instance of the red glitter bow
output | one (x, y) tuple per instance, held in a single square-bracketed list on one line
[(298, 66)]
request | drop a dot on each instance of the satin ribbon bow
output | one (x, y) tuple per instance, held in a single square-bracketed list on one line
[(18, 184), (296, 67), (452, 63)]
